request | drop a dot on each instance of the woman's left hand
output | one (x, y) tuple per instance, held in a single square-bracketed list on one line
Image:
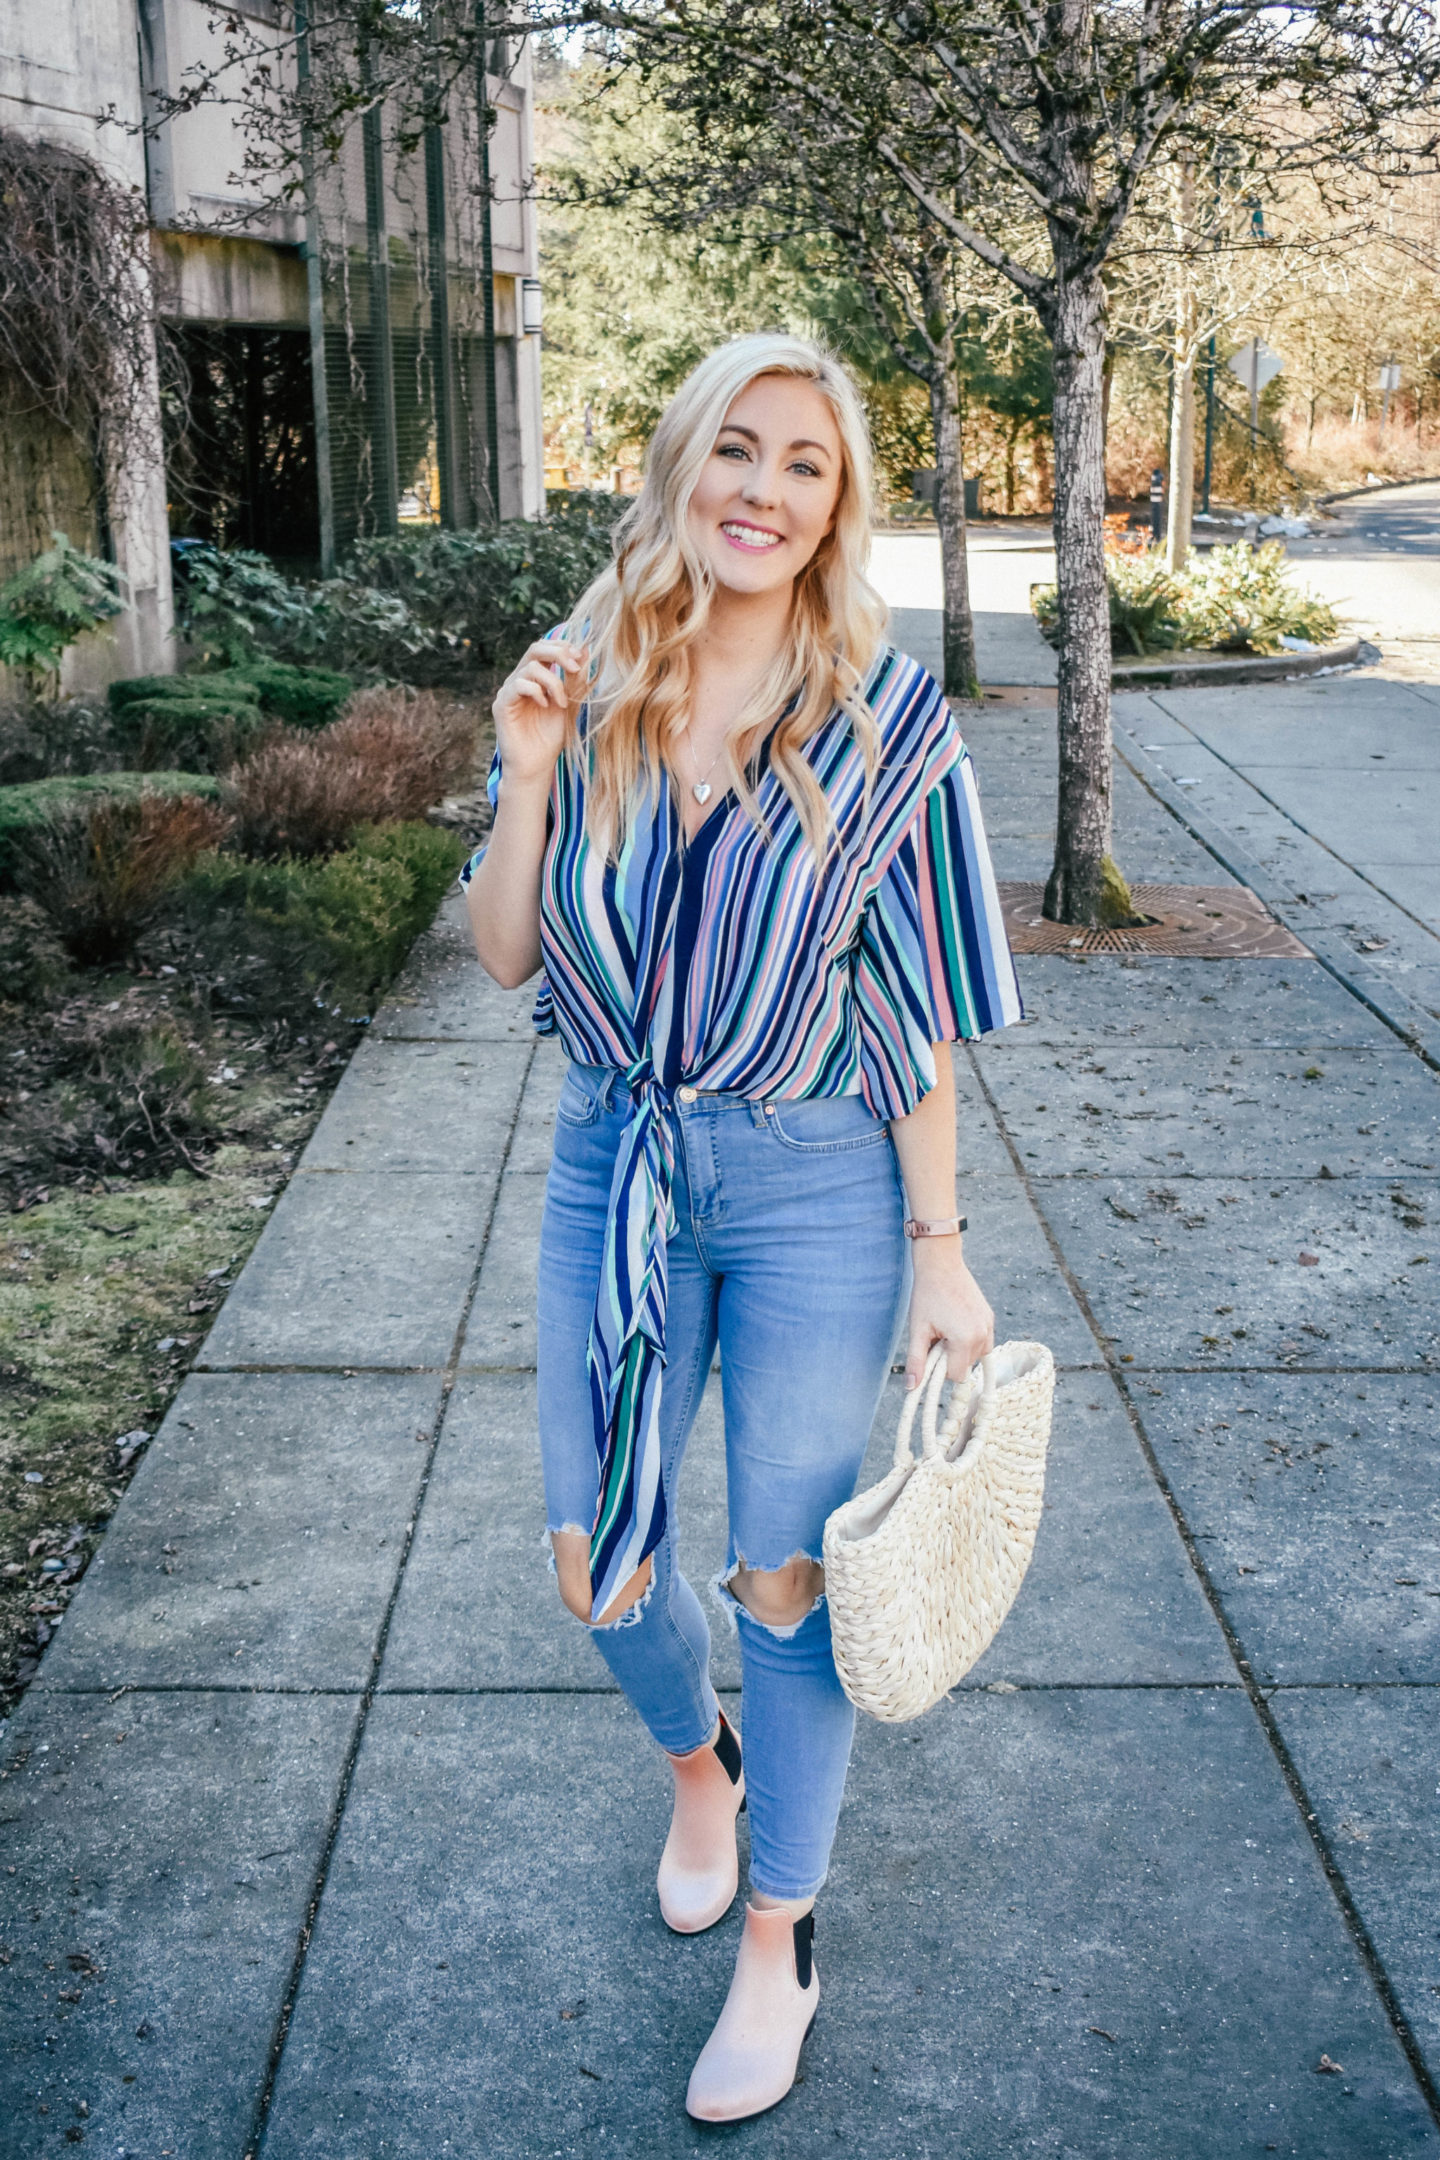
[(946, 1305)]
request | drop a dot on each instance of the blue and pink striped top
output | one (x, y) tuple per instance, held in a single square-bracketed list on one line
[(731, 965)]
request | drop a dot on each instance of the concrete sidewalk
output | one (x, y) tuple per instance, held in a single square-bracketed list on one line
[(330, 1837)]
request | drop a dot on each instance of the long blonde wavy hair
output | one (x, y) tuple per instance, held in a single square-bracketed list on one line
[(646, 611)]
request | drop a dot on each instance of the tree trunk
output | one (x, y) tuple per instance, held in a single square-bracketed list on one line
[(1084, 886), (960, 678), (1182, 462), (1182, 390)]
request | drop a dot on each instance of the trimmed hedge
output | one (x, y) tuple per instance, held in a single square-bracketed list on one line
[(208, 721), (284, 936), (303, 697), (36, 802)]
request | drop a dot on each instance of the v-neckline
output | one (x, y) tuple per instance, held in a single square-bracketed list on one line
[(722, 806)]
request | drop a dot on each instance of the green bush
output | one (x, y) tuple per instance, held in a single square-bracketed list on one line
[(1234, 599), (421, 607), (197, 723), (51, 602), (236, 607), (1240, 599), (224, 691), (282, 936), (36, 802), (303, 697), (490, 593), (209, 721), (232, 601), (594, 508)]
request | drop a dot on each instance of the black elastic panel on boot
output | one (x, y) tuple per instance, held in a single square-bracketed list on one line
[(804, 1938), (727, 1749)]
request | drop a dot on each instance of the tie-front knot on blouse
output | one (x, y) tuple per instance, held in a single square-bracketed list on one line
[(733, 964)]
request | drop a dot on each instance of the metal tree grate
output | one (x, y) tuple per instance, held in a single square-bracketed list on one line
[(1196, 922)]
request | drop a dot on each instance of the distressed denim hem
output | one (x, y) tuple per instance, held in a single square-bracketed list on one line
[(632, 1615)]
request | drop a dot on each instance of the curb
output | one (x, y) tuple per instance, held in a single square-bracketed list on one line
[(1377, 487), (1178, 669), (1416, 1028)]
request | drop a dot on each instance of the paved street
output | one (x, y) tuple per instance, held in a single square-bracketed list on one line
[(1377, 559), (330, 1837)]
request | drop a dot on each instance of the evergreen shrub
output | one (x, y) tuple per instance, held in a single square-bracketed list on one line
[(490, 593), (283, 935), (1233, 599), (36, 803)]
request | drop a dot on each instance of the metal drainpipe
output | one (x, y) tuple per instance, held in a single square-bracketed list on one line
[(382, 356), (440, 319), (485, 113), (320, 389)]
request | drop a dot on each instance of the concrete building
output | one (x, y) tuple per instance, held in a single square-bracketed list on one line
[(365, 360)]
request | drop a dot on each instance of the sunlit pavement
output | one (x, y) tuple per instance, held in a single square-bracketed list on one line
[(328, 1836)]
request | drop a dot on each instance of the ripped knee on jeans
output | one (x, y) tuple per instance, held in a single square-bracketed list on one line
[(780, 1599), (571, 1547)]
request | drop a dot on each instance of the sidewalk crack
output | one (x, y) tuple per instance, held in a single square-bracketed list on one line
[(1340, 1889)]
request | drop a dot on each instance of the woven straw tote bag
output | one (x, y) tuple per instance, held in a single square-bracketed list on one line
[(921, 1569)]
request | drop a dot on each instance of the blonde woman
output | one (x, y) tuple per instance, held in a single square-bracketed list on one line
[(740, 835)]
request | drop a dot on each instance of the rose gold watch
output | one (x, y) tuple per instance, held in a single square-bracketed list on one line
[(947, 1226)]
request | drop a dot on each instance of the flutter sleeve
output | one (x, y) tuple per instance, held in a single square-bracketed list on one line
[(542, 1017), (492, 789), (933, 962)]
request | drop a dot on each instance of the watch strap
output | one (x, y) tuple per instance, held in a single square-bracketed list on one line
[(945, 1226)]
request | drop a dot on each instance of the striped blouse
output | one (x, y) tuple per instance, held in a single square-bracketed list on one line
[(731, 965)]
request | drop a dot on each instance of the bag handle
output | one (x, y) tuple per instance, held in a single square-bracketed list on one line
[(932, 1380), (934, 1438), (929, 1389), (960, 1404)]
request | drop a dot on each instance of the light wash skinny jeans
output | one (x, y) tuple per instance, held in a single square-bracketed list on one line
[(789, 1250)]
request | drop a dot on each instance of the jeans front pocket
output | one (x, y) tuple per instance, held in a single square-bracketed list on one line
[(826, 1124), (582, 1096)]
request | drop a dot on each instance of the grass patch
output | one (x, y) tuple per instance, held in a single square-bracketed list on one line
[(105, 1297)]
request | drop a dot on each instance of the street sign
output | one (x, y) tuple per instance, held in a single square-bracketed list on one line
[(1255, 365), (1390, 376)]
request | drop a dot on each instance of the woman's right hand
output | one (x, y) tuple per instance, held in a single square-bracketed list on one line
[(533, 707)]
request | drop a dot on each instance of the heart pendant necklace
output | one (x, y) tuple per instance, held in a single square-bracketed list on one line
[(701, 788)]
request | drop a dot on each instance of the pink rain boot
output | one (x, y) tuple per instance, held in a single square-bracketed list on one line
[(699, 1870), (749, 2061)]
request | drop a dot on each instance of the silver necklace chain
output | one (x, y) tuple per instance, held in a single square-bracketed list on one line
[(701, 788)]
